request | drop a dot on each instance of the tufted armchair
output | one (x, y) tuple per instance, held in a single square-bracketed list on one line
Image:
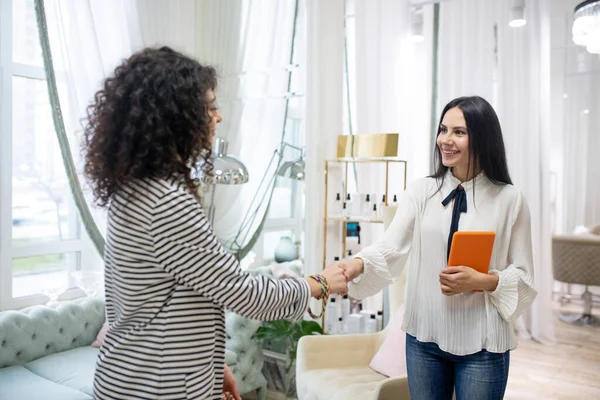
[(576, 259)]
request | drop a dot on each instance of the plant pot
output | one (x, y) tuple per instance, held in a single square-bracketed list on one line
[(279, 377)]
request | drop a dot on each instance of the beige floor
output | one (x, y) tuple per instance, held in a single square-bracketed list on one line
[(568, 370)]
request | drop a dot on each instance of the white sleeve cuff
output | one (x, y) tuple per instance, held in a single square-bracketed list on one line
[(375, 277), (512, 295)]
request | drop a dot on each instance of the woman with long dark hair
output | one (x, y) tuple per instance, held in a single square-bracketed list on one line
[(458, 322), (167, 277)]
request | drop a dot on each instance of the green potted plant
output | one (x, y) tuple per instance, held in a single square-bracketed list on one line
[(286, 335)]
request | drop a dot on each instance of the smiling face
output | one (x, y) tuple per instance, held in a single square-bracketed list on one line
[(453, 142)]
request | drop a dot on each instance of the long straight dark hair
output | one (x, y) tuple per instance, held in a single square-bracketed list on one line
[(486, 146)]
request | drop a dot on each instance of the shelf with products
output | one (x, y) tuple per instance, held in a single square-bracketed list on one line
[(342, 223), (355, 219)]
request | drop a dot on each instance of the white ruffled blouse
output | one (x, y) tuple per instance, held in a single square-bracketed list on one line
[(469, 322)]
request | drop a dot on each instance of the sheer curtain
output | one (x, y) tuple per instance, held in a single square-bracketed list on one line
[(524, 110), (512, 73), (250, 44), (88, 39), (466, 50), (169, 23), (393, 94), (324, 115)]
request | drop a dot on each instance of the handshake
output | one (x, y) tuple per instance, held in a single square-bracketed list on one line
[(338, 275)]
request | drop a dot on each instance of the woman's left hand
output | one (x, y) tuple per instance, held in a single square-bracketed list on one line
[(230, 389), (455, 280)]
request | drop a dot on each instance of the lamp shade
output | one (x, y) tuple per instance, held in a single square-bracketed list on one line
[(292, 169), (227, 169)]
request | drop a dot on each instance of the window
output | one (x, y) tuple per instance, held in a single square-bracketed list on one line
[(41, 240), (286, 212)]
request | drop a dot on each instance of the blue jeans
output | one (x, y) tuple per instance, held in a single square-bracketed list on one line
[(434, 374)]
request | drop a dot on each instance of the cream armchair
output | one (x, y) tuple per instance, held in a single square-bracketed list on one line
[(336, 367)]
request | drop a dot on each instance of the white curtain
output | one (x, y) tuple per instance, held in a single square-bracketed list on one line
[(524, 111), (324, 109), (513, 73), (393, 94), (169, 23), (466, 50), (89, 38), (250, 44)]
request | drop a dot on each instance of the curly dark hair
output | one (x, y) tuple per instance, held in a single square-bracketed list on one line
[(150, 119)]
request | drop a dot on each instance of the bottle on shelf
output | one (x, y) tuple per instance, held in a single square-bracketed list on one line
[(353, 323), (395, 200), (375, 213), (358, 307), (381, 206), (345, 211), (341, 329), (337, 206), (366, 316), (379, 320), (345, 308), (331, 316), (366, 207), (372, 324), (350, 253)]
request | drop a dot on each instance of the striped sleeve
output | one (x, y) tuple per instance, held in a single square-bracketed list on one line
[(187, 249), (515, 291)]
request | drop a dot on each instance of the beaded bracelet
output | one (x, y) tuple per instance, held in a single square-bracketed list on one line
[(325, 290)]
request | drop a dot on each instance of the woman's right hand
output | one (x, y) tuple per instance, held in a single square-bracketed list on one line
[(336, 278)]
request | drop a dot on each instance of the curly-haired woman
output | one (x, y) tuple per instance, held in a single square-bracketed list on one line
[(167, 277)]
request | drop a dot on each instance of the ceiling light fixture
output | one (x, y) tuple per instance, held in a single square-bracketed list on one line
[(586, 26), (517, 14), (416, 25)]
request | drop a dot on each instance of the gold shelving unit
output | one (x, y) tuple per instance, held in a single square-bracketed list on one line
[(347, 162)]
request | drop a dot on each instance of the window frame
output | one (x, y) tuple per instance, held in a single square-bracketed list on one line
[(81, 245)]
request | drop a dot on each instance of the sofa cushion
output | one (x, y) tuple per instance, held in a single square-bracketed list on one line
[(72, 368), (22, 384), (355, 383), (390, 359)]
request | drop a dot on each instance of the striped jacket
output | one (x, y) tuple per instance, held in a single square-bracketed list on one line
[(167, 282)]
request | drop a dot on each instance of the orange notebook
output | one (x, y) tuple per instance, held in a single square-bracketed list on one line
[(472, 249)]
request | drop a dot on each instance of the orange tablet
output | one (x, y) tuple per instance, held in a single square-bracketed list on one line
[(472, 249)]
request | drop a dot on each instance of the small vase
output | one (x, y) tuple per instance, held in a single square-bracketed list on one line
[(285, 250)]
